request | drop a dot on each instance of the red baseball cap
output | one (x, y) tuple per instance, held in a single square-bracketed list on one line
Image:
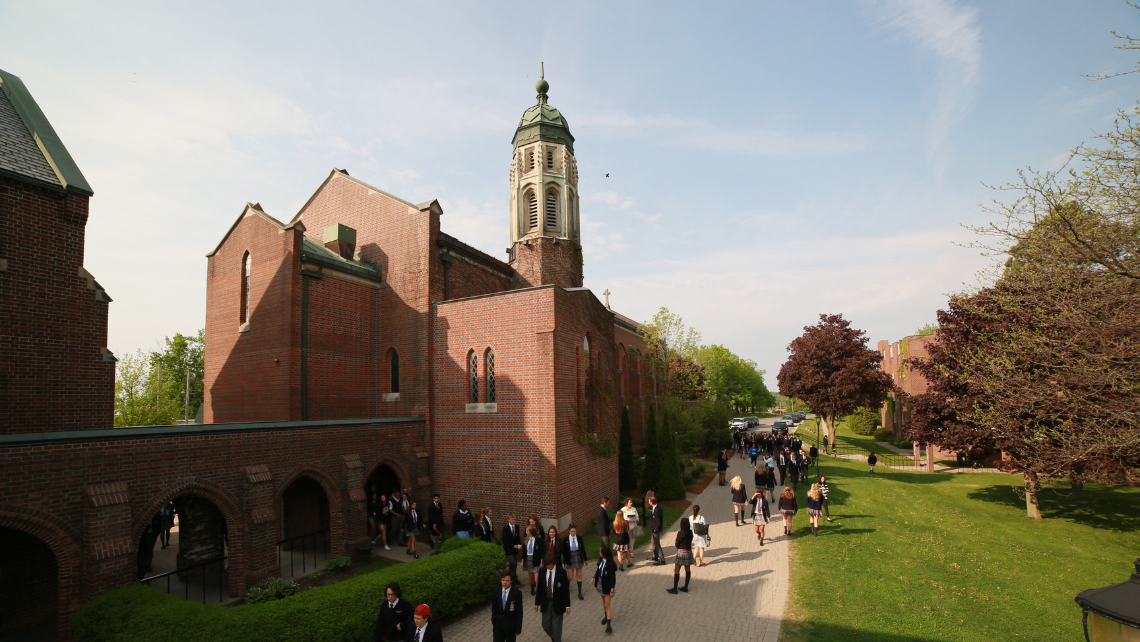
[(423, 610)]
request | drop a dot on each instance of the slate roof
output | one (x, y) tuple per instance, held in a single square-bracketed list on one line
[(19, 153), (313, 251), (30, 149)]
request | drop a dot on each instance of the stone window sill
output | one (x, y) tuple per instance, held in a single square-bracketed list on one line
[(391, 396), (244, 327), (482, 407)]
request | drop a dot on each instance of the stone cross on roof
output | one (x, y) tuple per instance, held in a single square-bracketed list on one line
[(607, 295)]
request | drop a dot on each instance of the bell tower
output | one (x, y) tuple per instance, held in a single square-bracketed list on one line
[(545, 232)]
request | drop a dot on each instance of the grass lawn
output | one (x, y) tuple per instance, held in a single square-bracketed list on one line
[(843, 435), (918, 557)]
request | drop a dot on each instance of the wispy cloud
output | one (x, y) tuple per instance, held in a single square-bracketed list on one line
[(950, 32)]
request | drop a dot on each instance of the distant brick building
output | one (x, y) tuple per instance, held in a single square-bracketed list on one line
[(895, 412), (355, 345)]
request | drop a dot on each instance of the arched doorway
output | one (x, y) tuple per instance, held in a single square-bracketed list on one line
[(382, 482), (305, 527), (29, 577), (184, 550)]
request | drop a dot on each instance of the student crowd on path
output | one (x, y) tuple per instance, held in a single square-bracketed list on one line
[(552, 563)]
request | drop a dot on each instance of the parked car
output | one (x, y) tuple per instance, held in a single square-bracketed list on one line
[(779, 427), (738, 423), (789, 419), (753, 421), (801, 414)]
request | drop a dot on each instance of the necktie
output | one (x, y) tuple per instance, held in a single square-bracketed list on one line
[(420, 635), (504, 599), (549, 585), (574, 543)]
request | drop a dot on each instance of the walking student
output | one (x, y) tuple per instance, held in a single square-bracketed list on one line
[(552, 545), (553, 597), (166, 522), (413, 523), (761, 515), (424, 630), (382, 523), (770, 483), (656, 522), (512, 545), (814, 503), (603, 521), (782, 464), (722, 465), (532, 560), (394, 621), (574, 557), (753, 453), (605, 581), (462, 523), (788, 508), (506, 610), (701, 537), (435, 523), (824, 490), (871, 461), (739, 499), (622, 543), (684, 556)]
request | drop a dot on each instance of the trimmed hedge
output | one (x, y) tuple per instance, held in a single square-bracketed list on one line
[(883, 434), (863, 421), (344, 611)]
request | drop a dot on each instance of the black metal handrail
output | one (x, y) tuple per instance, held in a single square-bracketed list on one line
[(186, 580), (315, 536)]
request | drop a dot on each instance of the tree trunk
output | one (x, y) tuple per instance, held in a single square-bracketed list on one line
[(1032, 507), (1075, 482)]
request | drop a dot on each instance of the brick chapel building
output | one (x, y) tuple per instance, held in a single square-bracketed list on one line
[(357, 345)]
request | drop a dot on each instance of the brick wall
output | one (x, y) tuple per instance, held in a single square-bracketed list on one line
[(254, 375), (547, 261), (53, 330)]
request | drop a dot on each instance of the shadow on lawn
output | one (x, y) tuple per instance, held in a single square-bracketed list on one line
[(825, 632), (1107, 508)]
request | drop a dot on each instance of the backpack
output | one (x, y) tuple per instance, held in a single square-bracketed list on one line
[(701, 529)]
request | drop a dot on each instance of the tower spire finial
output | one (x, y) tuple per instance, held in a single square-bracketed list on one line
[(542, 86)]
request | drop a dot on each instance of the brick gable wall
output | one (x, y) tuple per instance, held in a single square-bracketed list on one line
[(53, 330)]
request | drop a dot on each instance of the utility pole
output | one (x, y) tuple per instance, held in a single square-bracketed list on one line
[(186, 416), (158, 392)]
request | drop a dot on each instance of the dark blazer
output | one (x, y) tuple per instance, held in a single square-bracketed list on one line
[(657, 520), (435, 515), (721, 463), (566, 548), (605, 576), (512, 616), (413, 519), (536, 558), (461, 521), (557, 548), (603, 519), (389, 617), (487, 532), (431, 633), (510, 540), (561, 600)]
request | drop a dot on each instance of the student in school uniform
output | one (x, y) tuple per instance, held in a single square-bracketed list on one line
[(574, 556), (605, 581), (506, 609)]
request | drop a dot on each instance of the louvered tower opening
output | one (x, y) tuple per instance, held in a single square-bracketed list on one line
[(532, 204), (551, 210)]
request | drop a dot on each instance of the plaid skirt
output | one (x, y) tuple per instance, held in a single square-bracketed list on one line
[(814, 512), (684, 557), (531, 569), (576, 559), (759, 520)]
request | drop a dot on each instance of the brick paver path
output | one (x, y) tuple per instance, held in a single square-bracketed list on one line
[(739, 594)]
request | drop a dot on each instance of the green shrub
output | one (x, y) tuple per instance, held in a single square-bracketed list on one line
[(904, 443), (454, 543), (863, 421), (883, 434), (688, 481), (338, 563), (271, 588), (344, 611)]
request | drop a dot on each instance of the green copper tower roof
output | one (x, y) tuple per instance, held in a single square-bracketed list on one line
[(543, 122)]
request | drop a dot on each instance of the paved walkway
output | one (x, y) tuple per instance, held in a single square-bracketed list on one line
[(738, 595)]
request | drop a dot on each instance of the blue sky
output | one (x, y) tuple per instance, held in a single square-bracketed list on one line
[(768, 161)]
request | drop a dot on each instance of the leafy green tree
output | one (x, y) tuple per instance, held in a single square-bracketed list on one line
[(652, 454), (182, 356), (864, 421), (627, 476), (150, 386), (925, 330), (669, 484)]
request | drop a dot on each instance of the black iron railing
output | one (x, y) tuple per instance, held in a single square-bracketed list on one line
[(317, 542), (187, 574)]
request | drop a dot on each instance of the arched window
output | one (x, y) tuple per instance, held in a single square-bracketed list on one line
[(552, 210), (489, 369), (550, 159), (587, 383), (394, 361), (532, 210), (472, 378), (243, 315)]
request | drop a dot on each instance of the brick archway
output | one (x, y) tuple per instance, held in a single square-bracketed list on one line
[(401, 472), (224, 501), (68, 557), (332, 492)]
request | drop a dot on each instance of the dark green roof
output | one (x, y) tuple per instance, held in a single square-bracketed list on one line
[(312, 251), (34, 153), (543, 122)]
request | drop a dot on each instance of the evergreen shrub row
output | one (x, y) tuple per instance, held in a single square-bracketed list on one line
[(344, 611)]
